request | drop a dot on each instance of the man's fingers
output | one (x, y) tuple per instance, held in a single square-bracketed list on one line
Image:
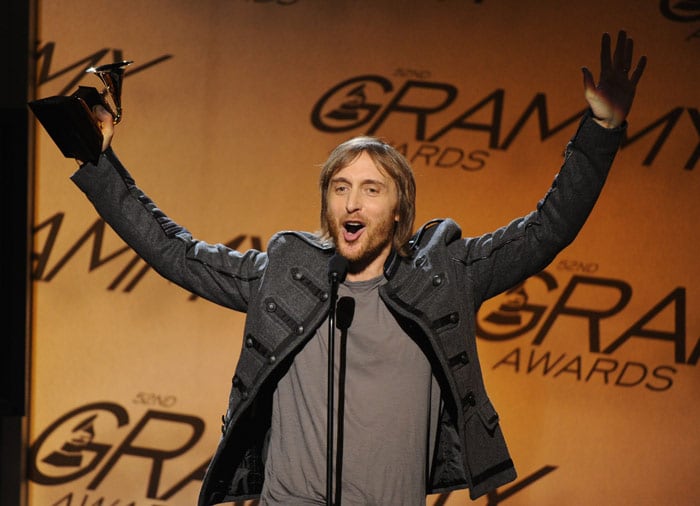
[(588, 82), (627, 61), (620, 50), (605, 61), (106, 124), (102, 114), (639, 70)]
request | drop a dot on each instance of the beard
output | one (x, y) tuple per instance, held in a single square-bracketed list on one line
[(375, 239)]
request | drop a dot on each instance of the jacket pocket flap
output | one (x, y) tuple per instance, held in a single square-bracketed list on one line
[(488, 415)]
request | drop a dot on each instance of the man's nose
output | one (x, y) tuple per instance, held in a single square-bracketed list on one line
[(353, 202)]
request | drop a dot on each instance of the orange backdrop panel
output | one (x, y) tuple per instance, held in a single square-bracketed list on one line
[(229, 109)]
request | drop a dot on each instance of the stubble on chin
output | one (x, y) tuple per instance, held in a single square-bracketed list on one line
[(371, 245)]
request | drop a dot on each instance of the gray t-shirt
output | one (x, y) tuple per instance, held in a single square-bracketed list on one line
[(390, 403)]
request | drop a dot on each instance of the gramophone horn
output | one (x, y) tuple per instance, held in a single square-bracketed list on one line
[(112, 76)]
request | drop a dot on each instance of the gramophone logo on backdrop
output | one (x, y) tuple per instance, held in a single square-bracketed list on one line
[(99, 439), (71, 452), (515, 315), (350, 109)]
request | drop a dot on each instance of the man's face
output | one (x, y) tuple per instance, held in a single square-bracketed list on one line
[(361, 210)]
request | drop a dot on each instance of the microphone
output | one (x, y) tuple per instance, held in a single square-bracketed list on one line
[(337, 268), (345, 311)]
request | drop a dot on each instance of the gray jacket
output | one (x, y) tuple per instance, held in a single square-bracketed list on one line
[(434, 293)]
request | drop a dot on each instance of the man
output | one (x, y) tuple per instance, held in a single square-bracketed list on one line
[(413, 411)]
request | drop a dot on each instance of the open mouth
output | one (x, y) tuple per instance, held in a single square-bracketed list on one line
[(353, 226), (353, 229)]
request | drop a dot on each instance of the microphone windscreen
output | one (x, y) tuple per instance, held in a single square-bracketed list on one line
[(337, 267), (345, 312)]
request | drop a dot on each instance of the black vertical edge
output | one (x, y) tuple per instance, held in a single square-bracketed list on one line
[(17, 37)]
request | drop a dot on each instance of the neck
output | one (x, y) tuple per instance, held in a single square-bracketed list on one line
[(370, 268), (363, 275)]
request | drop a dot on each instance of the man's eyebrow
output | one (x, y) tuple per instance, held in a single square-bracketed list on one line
[(341, 179), (374, 181)]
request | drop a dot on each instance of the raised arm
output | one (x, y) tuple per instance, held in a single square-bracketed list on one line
[(509, 255)]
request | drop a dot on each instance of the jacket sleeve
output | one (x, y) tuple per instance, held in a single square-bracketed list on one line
[(507, 256), (213, 271)]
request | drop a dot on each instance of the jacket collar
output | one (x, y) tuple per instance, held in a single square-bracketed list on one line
[(394, 259)]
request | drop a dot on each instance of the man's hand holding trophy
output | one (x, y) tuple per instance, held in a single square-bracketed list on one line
[(81, 124)]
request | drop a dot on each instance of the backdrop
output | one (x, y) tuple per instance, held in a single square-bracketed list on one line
[(229, 109)]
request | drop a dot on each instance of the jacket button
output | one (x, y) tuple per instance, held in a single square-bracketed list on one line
[(249, 342), (454, 317), (471, 400), (272, 359), (300, 329), (324, 296), (437, 280), (271, 306), (420, 261), (297, 275), (464, 358)]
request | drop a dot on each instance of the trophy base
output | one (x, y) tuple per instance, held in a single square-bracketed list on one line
[(71, 124)]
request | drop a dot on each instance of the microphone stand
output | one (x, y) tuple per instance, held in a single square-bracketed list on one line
[(331, 400), (336, 273)]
